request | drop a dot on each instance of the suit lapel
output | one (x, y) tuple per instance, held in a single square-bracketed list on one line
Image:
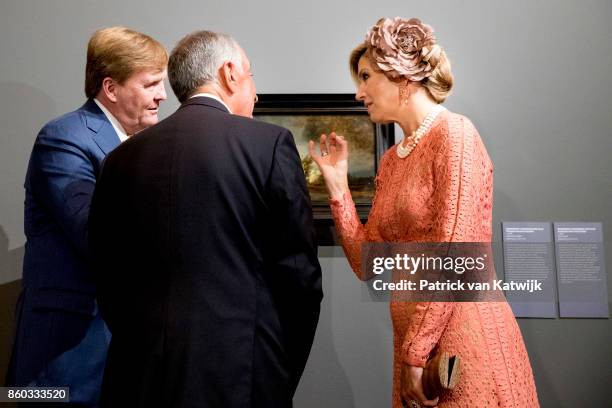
[(103, 132)]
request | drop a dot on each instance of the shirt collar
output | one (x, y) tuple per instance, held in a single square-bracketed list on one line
[(215, 97), (113, 120)]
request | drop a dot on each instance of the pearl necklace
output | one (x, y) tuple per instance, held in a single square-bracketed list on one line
[(416, 136)]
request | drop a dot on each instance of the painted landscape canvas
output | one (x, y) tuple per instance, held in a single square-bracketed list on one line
[(358, 131)]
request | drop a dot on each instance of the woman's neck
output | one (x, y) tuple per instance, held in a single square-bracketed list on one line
[(414, 112)]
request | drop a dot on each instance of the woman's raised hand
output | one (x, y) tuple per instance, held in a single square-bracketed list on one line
[(333, 163)]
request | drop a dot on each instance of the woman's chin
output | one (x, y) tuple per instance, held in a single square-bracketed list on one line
[(378, 120)]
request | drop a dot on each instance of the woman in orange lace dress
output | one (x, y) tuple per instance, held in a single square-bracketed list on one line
[(434, 186)]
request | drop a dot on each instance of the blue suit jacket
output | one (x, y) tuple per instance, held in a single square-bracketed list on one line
[(60, 338)]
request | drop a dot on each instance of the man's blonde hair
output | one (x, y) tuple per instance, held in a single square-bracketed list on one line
[(118, 52)]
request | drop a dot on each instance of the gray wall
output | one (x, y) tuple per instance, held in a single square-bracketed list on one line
[(534, 76)]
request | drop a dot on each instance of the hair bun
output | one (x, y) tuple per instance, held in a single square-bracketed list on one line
[(433, 52)]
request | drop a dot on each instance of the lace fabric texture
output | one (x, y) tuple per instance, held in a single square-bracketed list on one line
[(443, 192)]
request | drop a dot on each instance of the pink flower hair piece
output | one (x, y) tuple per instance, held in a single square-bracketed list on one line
[(402, 48)]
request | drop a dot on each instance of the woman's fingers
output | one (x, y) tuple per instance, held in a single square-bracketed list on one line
[(407, 401), (323, 145), (312, 152), (419, 396), (331, 146), (319, 159), (417, 390), (339, 142), (333, 149), (429, 403), (412, 388)]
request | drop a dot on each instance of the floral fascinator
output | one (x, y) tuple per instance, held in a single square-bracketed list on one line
[(403, 48)]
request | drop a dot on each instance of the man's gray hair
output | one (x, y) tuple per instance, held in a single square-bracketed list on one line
[(196, 59)]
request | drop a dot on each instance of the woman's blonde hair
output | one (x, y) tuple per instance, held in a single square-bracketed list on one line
[(439, 84)]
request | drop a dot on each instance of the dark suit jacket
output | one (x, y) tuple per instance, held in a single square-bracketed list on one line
[(60, 339), (201, 228)]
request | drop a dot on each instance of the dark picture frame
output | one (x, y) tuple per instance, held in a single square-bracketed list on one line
[(309, 115)]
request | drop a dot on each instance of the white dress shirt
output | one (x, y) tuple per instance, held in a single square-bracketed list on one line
[(215, 97), (113, 120)]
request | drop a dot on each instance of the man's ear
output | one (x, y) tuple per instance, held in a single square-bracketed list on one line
[(228, 76), (109, 88)]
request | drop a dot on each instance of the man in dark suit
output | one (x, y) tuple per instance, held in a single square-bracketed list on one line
[(201, 228), (61, 339)]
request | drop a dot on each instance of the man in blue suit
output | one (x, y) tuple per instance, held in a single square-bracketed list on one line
[(61, 339)]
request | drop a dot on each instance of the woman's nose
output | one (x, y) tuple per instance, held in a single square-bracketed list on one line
[(360, 95)]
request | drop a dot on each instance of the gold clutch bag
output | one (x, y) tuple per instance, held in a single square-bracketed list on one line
[(442, 372)]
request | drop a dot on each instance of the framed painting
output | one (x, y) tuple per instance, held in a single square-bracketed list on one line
[(307, 116)]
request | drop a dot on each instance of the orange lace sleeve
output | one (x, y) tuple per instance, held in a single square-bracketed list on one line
[(351, 231), (453, 200)]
